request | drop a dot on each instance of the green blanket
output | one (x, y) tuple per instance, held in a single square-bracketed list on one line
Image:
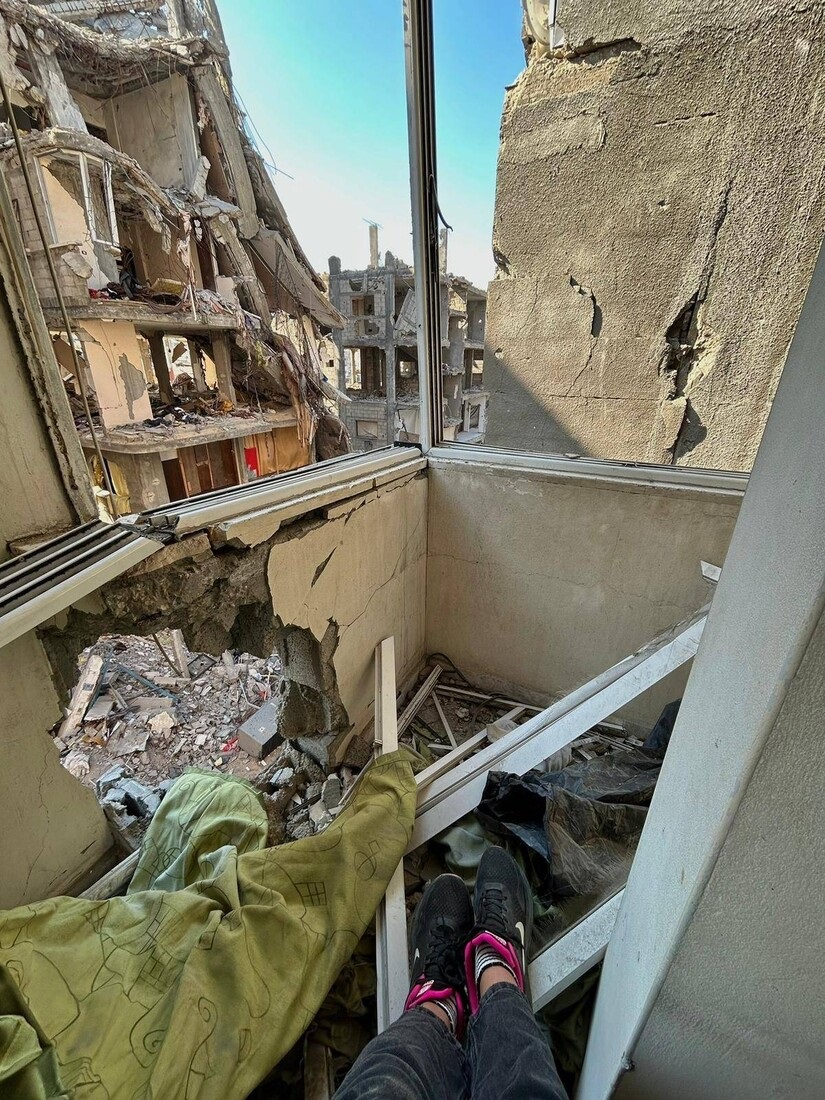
[(199, 980)]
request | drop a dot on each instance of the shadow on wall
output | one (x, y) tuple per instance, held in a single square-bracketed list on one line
[(517, 418)]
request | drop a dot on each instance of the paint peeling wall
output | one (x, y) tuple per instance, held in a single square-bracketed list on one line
[(543, 582), (116, 363), (659, 206)]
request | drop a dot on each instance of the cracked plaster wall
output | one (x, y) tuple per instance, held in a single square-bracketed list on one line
[(543, 583), (659, 206), (363, 569)]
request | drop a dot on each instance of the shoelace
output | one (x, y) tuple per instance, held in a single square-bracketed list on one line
[(441, 961), (494, 908)]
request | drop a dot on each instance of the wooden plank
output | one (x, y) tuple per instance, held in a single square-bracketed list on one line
[(391, 962), (447, 729), (418, 700), (82, 696), (180, 653), (387, 726)]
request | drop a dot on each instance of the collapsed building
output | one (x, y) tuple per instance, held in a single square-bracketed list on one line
[(378, 358), (196, 325)]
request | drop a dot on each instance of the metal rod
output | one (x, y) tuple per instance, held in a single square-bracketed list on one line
[(418, 49)]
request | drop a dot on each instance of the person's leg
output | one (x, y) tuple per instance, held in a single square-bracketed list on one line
[(508, 1054), (420, 1057), (416, 1058)]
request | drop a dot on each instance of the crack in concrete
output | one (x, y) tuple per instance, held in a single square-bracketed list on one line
[(596, 322), (683, 339)]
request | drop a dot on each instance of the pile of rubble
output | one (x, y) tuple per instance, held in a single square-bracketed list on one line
[(157, 709)]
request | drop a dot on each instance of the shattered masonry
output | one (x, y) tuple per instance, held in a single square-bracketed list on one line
[(378, 358), (202, 328)]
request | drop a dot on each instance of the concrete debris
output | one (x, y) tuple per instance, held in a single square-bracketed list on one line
[(162, 723), (140, 800), (259, 734), (332, 792), (77, 763), (319, 816), (317, 748), (281, 777)]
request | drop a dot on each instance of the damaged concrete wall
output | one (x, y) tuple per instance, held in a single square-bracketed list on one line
[(322, 591), (28, 506), (543, 583), (355, 579), (53, 828), (659, 207), (156, 126)]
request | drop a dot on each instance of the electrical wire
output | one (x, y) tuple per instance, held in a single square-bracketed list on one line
[(107, 477)]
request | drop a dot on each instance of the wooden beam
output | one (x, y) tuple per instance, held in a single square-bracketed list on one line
[(109, 884), (391, 962), (418, 700)]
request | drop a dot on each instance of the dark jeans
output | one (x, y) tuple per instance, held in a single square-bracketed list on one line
[(506, 1057)]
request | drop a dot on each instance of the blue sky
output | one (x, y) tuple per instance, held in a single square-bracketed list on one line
[(323, 84)]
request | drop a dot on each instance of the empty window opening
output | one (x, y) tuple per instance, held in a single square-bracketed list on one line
[(473, 368), (365, 370)]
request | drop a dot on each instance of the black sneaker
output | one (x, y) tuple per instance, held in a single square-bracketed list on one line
[(440, 928), (503, 922)]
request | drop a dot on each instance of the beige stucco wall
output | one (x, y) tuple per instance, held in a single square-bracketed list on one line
[(659, 207), (540, 582), (52, 827), (115, 360)]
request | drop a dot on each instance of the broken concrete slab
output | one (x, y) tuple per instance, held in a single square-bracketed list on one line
[(281, 777), (317, 748), (110, 779), (332, 792), (259, 734), (128, 740), (140, 800)]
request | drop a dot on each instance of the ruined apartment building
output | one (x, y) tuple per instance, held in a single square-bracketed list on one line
[(658, 212), (378, 358), (198, 322)]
